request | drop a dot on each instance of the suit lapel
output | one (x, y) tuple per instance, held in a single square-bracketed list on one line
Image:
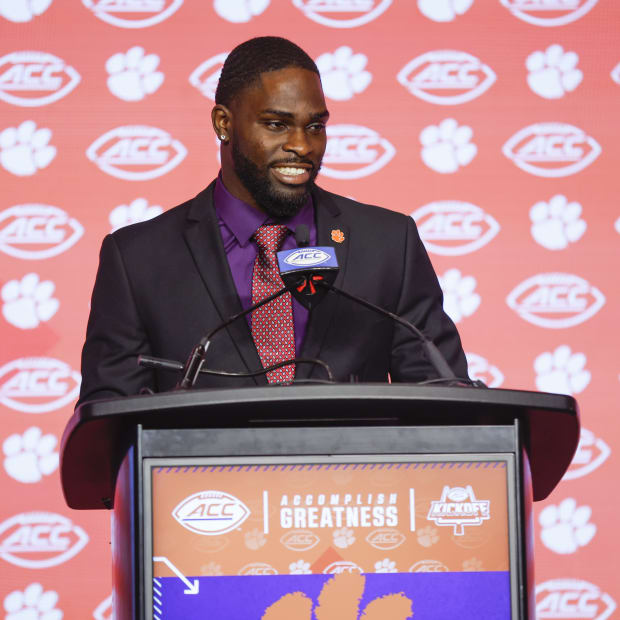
[(204, 241), (331, 231)]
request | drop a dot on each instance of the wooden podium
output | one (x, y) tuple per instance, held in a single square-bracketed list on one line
[(271, 502)]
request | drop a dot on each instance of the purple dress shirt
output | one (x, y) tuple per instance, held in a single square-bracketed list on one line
[(238, 221)]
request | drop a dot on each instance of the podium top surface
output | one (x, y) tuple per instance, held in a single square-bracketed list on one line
[(97, 435)]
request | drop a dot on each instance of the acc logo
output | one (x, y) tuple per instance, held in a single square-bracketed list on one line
[(132, 13), (354, 151), (459, 507), (341, 566), (105, 610), (300, 540), (555, 300), (30, 79), (342, 13), (207, 74), (385, 538), (591, 452), (551, 149), (307, 257), (549, 12), (38, 384), (428, 566), (480, 369), (40, 539), (452, 228), (136, 153), (572, 598), (211, 513), (446, 77), (35, 231), (257, 568)]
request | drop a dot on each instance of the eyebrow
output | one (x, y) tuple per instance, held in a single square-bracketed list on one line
[(324, 114)]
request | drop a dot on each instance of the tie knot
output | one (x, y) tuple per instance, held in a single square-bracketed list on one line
[(270, 237)]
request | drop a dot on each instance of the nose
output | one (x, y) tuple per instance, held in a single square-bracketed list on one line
[(297, 142)]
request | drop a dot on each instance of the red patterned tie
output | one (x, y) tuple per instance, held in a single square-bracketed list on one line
[(272, 324)]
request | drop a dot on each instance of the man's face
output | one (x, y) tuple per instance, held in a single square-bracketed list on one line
[(277, 141)]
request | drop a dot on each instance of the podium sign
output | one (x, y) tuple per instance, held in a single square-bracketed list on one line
[(279, 537)]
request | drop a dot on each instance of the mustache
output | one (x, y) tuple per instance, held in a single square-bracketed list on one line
[(290, 162)]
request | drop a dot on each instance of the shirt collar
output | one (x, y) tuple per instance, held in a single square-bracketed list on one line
[(243, 220)]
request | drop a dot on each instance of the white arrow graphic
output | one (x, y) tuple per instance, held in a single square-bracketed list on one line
[(192, 588)]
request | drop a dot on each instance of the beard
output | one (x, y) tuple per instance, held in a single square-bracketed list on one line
[(276, 203)]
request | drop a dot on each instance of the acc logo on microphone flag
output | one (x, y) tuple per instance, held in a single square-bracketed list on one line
[(29, 79), (342, 13), (40, 539), (354, 151), (548, 12), (38, 384), (136, 153), (453, 228), (446, 77), (555, 300), (36, 231), (307, 257), (572, 599), (551, 149), (211, 512), (133, 13), (207, 74)]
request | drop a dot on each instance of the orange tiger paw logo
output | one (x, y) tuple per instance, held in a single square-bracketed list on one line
[(337, 235), (340, 600)]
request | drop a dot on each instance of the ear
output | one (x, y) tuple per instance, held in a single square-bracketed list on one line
[(221, 117)]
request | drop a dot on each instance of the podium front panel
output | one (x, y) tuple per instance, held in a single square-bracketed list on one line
[(273, 537)]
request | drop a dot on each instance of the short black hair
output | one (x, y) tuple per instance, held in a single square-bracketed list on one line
[(247, 61)]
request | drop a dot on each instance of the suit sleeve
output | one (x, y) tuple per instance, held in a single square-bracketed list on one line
[(115, 335), (421, 303)]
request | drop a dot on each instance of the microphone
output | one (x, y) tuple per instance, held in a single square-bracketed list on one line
[(309, 273), (302, 236)]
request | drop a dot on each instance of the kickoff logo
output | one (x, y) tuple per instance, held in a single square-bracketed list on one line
[(136, 153), (548, 12), (453, 228), (40, 539), (36, 231), (354, 151), (446, 77), (211, 513), (342, 13), (207, 74), (555, 300), (572, 599), (459, 507), (591, 453), (551, 149), (300, 540), (38, 384), (29, 79), (133, 13)]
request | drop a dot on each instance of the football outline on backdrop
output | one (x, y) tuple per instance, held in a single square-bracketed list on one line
[(447, 70), (355, 144), (99, 9), (377, 8), (586, 460), (454, 220), (37, 224), (479, 368), (208, 85), (19, 78), (552, 142), (565, 290), (38, 378), (579, 600), (514, 7)]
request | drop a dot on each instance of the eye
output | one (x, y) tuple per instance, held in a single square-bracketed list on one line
[(275, 125), (316, 128)]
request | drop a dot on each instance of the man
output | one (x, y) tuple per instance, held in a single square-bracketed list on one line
[(165, 283)]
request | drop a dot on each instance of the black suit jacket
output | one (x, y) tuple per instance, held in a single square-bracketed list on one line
[(164, 283)]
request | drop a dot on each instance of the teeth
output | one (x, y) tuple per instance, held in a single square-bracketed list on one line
[(291, 171)]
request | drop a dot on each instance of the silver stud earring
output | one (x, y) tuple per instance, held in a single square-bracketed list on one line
[(222, 137)]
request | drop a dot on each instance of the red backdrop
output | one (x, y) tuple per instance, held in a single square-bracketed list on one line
[(493, 122)]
